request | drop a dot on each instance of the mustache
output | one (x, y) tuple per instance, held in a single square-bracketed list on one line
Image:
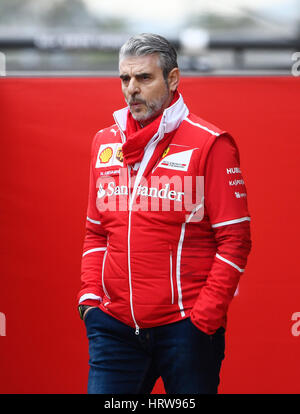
[(133, 101)]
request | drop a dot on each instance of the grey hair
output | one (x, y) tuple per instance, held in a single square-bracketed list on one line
[(148, 44)]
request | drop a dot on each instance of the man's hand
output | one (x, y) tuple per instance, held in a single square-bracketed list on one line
[(83, 309)]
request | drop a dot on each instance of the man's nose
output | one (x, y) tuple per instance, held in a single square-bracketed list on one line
[(133, 87)]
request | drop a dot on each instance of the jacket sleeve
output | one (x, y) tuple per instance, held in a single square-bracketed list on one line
[(227, 209), (94, 246)]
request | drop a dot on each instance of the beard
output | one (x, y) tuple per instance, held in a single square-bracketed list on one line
[(153, 108)]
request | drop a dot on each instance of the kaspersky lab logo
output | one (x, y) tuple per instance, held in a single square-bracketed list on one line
[(161, 193)]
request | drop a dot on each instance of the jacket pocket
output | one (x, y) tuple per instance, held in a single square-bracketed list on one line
[(103, 268), (171, 274)]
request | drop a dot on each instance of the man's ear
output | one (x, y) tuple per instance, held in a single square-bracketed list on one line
[(173, 79)]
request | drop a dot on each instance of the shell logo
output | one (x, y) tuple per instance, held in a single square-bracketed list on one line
[(106, 155), (165, 152)]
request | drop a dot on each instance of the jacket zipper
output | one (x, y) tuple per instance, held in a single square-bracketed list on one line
[(130, 203), (137, 329)]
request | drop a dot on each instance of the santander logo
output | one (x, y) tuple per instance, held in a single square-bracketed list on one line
[(160, 193), (163, 193)]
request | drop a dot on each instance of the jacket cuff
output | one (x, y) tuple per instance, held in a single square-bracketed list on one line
[(201, 326), (89, 299)]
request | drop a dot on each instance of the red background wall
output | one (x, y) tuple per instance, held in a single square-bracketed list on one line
[(46, 130)]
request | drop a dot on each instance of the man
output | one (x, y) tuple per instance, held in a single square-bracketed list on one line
[(167, 235)]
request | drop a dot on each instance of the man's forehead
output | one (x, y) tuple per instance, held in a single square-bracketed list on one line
[(139, 64)]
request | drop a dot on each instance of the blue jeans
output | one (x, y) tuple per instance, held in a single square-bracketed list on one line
[(121, 362)]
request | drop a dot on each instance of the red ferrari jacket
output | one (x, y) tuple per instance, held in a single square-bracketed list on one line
[(167, 238)]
